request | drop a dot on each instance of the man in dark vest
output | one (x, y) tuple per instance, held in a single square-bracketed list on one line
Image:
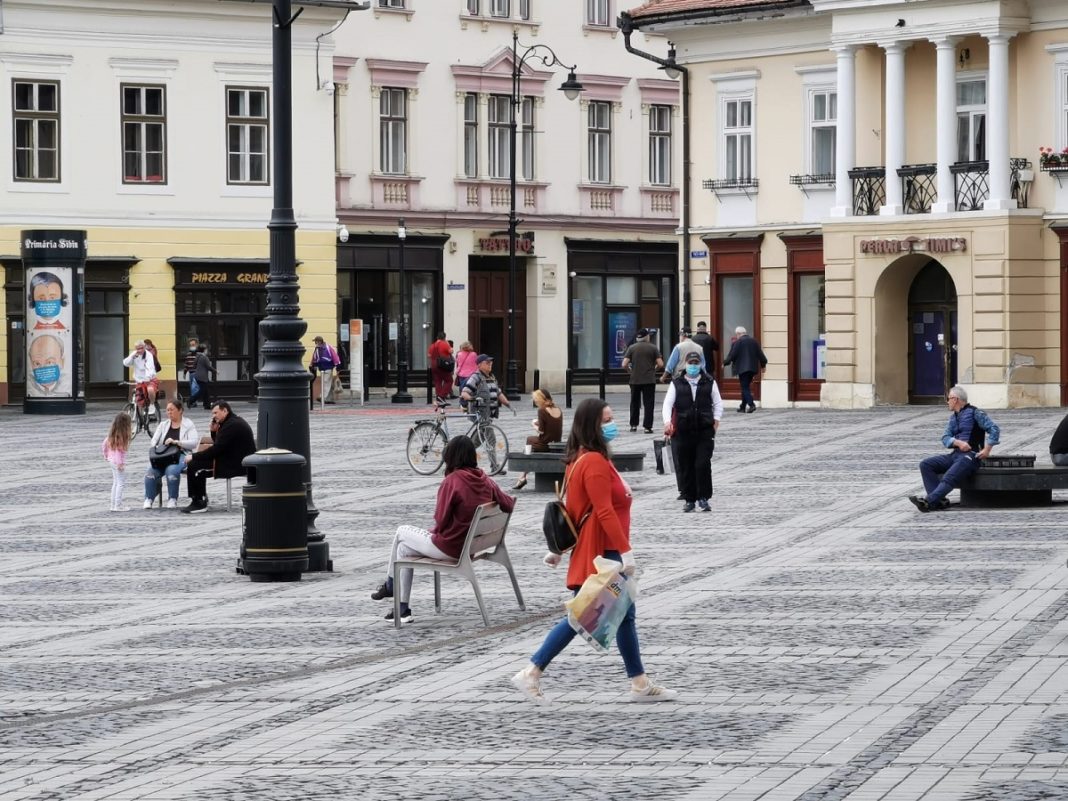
[(970, 436), (232, 441), (692, 411)]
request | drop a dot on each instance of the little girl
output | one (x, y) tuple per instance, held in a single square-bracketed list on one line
[(114, 448)]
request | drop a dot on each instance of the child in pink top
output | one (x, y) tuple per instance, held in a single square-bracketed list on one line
[(114, 448)]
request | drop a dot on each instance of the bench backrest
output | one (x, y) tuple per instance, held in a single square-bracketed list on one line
[(487, 529)]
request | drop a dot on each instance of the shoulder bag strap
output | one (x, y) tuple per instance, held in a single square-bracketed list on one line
[(561, 492)]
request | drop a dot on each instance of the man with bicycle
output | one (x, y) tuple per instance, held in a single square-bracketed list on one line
[(484, 386), (144, 374)]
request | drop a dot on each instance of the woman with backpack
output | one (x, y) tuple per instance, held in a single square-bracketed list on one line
[(442, 364)]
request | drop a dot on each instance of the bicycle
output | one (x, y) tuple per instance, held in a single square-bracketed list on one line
[(138, 410), (427, 440)]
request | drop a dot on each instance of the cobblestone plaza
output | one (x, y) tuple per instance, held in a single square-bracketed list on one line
[(828, 641)]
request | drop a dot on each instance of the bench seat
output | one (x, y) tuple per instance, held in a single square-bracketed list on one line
[(1013, 486), (548, 468)]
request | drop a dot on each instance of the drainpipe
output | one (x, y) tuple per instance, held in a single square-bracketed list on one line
[(626, 26)]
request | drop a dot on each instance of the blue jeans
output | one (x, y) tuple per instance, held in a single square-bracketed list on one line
[(626, 639), (745, 382), (954, 467), (174, 480)]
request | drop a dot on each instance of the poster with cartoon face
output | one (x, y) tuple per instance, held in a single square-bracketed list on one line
[(49, 372), (47, 295)]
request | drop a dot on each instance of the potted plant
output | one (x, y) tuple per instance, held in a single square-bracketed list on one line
[(1050, 159)]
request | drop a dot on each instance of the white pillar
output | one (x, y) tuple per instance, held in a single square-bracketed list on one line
[(894, 127), (997, 124), (946, 122), (845, 155)]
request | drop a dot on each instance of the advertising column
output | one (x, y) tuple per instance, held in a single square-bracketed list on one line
[(55, 276)]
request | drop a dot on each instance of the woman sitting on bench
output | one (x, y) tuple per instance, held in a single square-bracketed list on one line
[(464, 489), (550, 427)]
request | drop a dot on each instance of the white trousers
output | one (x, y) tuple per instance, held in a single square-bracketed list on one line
[(118, 484), (411, 541)]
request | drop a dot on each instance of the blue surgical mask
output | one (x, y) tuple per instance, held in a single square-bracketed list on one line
[(693, 370), (46, 308), (609, 431), (48, 374)]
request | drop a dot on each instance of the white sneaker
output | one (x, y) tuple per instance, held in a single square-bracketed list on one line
[(120, 508), (651, 693), (529, 685), (172, 503), (148, 503)]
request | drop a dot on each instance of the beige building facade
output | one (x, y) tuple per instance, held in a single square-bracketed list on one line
[(882, 199)]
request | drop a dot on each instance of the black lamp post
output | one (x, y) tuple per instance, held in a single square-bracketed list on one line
[(571, 88), (402, 395)]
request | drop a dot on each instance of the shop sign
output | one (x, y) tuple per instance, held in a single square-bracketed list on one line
[(239, 276), (499, 244), (452, 285), (915, 244), (698, 254)]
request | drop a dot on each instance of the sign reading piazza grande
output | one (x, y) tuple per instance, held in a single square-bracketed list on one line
[(915, 244)]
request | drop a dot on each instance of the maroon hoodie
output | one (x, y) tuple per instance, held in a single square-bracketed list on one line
[(459, 495)]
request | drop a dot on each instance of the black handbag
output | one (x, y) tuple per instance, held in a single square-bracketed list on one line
[(446, 363), (561, 532), (162, 456)]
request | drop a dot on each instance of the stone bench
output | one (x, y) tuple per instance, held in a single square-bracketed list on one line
[(548, 468), (998, 486)]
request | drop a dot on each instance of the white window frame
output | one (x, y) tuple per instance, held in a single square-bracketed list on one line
[(469, 106), (33, 119), (473, 7), (974, 111), (498, 136), (501, 9), (390, 123), (599, 144), (526, 154), (244, 125), (661, 144), (392, 3), (830, 94), (739, 170), (141, 123), (1061, 102), (599, 13)]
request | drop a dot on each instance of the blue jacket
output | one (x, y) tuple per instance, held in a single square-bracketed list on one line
[(962, 425)]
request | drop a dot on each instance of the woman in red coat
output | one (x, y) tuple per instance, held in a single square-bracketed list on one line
[(441, 365), (594, 485)]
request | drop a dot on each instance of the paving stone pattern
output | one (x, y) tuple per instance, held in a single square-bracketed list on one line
[(829, 641)]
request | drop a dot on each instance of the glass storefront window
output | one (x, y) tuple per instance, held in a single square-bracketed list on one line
[(735, 307), (621, 290), (810, 325), (587, 305)]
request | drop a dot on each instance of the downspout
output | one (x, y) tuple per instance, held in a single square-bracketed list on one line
[(626, 26)]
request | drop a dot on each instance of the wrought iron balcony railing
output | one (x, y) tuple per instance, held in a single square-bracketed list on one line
[(918, 187), (869, 190), (971, 180)]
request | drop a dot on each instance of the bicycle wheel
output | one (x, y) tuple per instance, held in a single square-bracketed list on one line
[(146, 420), (492, 447), (426, 444), (131, 411)]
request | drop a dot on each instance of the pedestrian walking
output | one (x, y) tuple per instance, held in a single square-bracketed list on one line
[(970, 435), (692, 411), (324, 361), (550, 427), (204, 374), (189, 366), (708, 343), (642, 360), (114, 449), (464, 489), (594, 486), (466, 363), (747, 357), (676, 362), (442, 364)]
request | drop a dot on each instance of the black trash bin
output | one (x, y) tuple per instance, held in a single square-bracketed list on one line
[(274, 517)]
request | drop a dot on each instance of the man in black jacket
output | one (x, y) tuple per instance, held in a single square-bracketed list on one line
[(747, 357), (708, 344), (232, 441)]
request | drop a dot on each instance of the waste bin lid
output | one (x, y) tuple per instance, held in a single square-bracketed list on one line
[(273, 451)]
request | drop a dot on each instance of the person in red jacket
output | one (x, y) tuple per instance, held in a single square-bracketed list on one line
[(441, 366), (594, 485), (464, 489)]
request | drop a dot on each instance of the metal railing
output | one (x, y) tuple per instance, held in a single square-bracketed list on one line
[(918, 187), (869, 190)]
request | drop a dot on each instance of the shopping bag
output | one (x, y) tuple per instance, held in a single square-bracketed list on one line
[(596, 612), (669, 458)]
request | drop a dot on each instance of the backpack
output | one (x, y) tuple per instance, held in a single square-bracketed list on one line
[(446, 363), (561, 532)]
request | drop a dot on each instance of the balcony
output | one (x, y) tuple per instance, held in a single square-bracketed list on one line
[(971, 186)]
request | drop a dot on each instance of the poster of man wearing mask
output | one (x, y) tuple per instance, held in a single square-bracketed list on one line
[(49, 324)]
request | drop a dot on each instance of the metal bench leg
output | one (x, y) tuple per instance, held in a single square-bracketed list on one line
[(478, 597), (396, 594), (229, 500), (504, 560), (437, 592)]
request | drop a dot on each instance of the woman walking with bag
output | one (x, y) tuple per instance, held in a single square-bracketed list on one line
[(594, 485)]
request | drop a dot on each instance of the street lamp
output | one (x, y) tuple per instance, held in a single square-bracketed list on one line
[(571, 88), (402, 395)]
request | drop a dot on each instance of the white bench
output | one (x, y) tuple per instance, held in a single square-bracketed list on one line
[(484, 542)]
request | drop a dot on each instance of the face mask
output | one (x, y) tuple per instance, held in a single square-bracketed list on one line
[(609, 431), (46, 308), (49, 374), (693, 370)]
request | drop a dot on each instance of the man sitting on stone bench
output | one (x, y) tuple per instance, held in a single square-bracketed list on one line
[(970, 435)]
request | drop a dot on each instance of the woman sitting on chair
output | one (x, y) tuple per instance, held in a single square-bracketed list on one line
[(464, 489)]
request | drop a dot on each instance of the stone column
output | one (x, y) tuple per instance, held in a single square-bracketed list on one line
[(946, 121), (894, 131), (845, 155), (997, 124)]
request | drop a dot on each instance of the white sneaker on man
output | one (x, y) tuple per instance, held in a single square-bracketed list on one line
[(172, 503), (148, 503)]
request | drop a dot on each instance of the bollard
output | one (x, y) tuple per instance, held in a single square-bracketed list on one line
[(537, 385), (429, 387), (567, 388), (274, 530), (600, 381)]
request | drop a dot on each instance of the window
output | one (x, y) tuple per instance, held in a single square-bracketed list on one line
[(501, 8), (471, 135), (971, 119), (144, 135), (246, 136), (823, 124), (597, 12), (500, 118), (527, 138), (660, 145), (393, 130), (391, 3), (36, 117), (738, 139), (524, 9), (599, 132), (472, 7)]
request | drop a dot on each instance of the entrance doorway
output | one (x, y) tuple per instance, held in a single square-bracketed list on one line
[(932, 335), (487, 318)]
